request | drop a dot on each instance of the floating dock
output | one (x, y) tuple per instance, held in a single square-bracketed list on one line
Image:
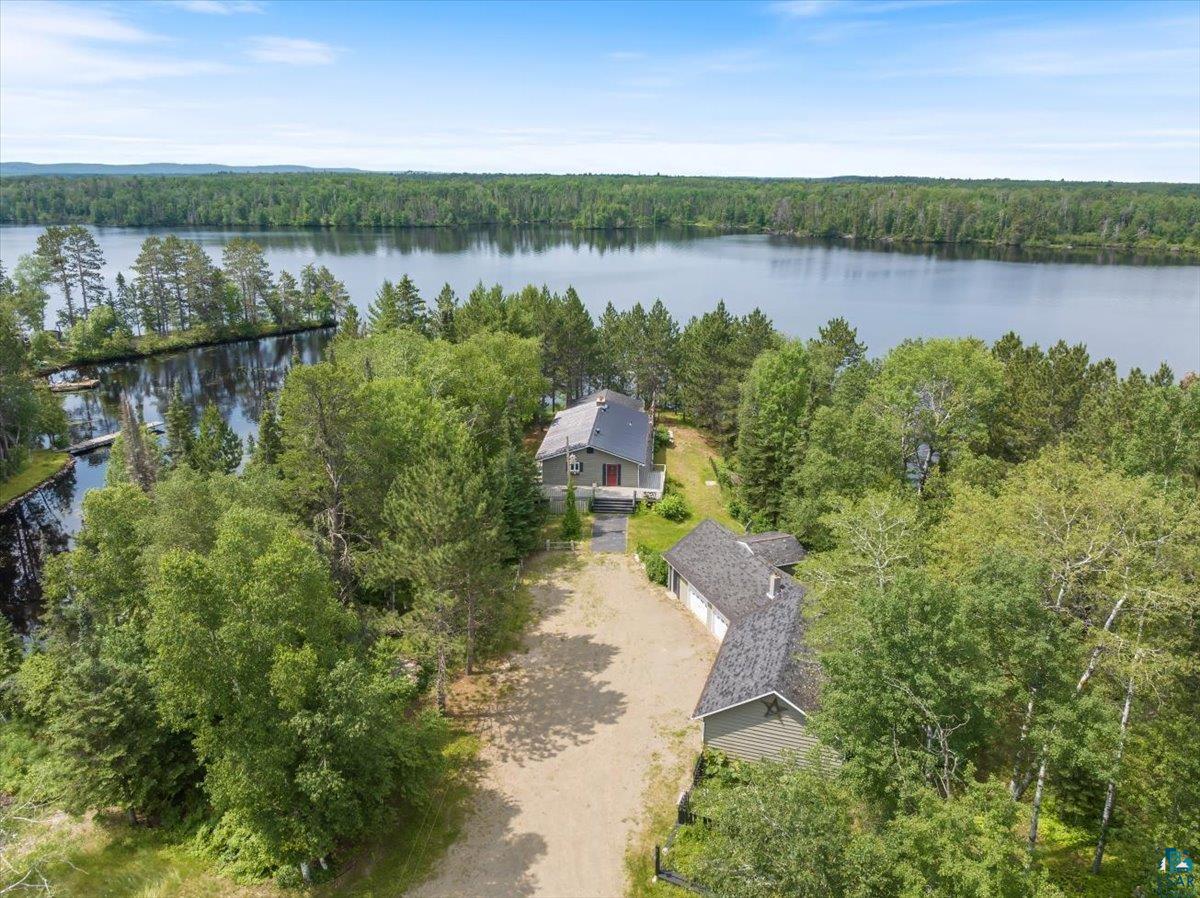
[(107, 440), (72, 386)]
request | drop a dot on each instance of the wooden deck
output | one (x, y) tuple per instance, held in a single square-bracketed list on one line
[(106, 440)]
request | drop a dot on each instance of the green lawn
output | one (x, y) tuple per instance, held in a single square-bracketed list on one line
[(42, 464), (688, 462)]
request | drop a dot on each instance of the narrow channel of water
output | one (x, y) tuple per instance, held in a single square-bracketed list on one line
[(236, 377)]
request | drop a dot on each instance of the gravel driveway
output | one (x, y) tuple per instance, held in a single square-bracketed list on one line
[(610, 670)]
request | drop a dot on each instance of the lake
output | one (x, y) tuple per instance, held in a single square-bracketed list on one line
[(1123, 307), (1138, 311)]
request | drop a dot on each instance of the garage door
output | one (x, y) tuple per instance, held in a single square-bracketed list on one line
[(698, 606)]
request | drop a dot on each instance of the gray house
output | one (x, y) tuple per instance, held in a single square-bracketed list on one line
[(765, 681), (605, 442)]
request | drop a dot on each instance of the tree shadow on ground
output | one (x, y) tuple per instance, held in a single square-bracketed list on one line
[(501, 859), (553, 695)]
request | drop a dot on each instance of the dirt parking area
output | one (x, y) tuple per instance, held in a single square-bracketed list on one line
[(607, 681)]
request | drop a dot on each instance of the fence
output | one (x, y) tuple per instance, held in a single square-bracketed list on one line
[(558, 504), (684, 816), (563, 545)]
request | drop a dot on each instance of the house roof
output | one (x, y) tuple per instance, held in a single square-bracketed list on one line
[(613, 396), (765, 653), (607, 421), (777, 548), (724, 568)]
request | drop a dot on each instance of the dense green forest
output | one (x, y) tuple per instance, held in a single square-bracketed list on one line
[(1002, 596), (1143, 216)]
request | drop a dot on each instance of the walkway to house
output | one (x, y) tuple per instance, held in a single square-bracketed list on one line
[(608, 532), (607, 681)]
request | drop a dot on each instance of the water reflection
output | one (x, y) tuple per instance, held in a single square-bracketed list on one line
[(236, 377)]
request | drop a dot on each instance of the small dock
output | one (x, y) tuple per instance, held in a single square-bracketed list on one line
[(107, 440), (74, 386)]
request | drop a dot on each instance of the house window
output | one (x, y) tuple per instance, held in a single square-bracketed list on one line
[(576, 466)]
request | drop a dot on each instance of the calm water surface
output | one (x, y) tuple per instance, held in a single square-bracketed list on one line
[(1123, 307), (1137, 311)]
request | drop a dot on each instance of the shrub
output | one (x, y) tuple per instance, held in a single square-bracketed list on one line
[(572, 526), (662, 437), (673, 508), (656, 568)]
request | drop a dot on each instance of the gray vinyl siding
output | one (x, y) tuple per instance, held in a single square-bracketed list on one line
[(746, 732), (554, 470)]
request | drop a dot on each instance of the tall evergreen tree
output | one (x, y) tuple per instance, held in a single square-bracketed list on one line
[(772, 430), (246, 267), (180, 433), (442, 324), (216, 447), (51, 250), (384, 313)]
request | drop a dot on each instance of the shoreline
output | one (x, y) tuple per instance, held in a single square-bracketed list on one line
[(1173, 252), (67, 465), (209, 339)]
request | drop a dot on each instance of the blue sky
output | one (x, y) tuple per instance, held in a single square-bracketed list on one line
[(1073, 90)]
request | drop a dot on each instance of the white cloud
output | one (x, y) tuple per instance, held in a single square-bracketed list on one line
[(217, 7), (291, 50), (51, 44)]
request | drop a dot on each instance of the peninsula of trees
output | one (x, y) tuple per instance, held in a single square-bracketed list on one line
[(1146, 217)]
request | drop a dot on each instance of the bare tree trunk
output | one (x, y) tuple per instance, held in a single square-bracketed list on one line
[(1110, 797), (441, 678), (471, 624), (1014, 786), (1037, 803)]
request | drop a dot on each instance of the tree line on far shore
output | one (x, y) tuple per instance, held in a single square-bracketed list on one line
[(1014, 213)]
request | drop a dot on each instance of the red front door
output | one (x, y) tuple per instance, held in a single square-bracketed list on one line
[(612, 475)]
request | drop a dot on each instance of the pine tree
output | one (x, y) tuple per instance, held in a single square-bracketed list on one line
[(523, 508), (771, 430), (270, 438), (247, 268), (85, 261), (217, 448), (443, 317), (50, 249), (384, 313), (411, 307), (152, 291), (350, 326), (180, 436), (572, 525)]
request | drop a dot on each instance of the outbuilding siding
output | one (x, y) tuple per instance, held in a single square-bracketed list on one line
[(748, 732)]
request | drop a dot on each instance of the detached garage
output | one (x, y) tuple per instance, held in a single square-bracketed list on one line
[(765, 682)]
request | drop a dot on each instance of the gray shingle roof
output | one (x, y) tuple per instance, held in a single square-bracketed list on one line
[(763, 653), (723, 568), (619, 427), (775, 547), (763, 650)]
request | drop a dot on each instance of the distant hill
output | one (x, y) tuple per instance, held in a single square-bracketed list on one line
[(154, 168)]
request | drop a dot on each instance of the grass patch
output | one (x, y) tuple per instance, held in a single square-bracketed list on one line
[(1065, 851), (661, 791), (552, 528), (42, 463), (689, 465)]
